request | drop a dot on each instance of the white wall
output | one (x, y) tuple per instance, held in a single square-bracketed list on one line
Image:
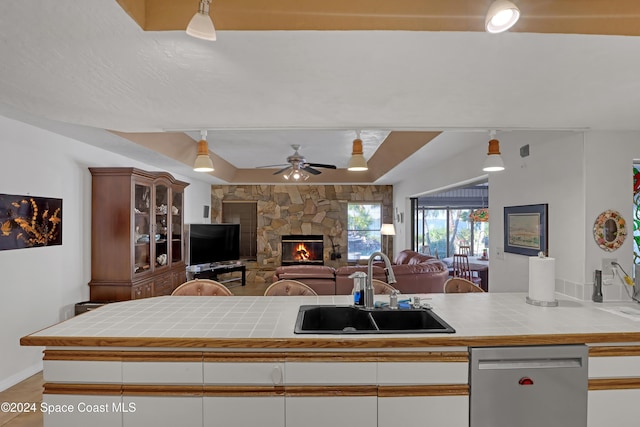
[(552, 174), (609, 180), (578, 174), (40, 286)]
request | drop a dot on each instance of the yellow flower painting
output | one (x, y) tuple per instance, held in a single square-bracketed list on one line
[(27, 221)]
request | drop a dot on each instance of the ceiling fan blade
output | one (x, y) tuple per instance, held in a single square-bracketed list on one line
[(320, 165), (311, 170), (272, 166), (282, 170)]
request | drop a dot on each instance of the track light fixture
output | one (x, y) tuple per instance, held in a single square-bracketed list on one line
[(201, 25), (357, 162), (502, 15), (203, 162), (493, 162)]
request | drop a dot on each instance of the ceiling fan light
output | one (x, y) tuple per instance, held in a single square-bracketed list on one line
[(201, 25), (203, 162), (357, 162), (502, 15)]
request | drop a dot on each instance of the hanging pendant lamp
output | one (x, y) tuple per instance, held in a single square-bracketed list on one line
[(357, 162), (203, 162), (201, 25), (493, 162)]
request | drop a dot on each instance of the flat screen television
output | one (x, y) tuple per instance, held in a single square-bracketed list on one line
[(211, 243)]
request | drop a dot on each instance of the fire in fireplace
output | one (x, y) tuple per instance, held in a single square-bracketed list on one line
[(302, 249)]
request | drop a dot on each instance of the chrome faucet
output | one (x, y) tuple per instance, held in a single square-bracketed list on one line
[(391, 278)]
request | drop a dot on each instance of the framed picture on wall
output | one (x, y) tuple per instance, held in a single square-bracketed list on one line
[(526, 229)]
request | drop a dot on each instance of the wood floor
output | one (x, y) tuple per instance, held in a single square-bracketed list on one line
[(30, 390)]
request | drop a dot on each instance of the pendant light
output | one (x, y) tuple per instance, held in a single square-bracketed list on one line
[(357, 162), (203, 162), (501, 16), (201, 25), (493, 162)]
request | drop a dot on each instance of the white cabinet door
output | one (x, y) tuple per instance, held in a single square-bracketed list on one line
[(63, 410), (331, 411), (613, 408), (244, 411), (162, 411), (409, 411)]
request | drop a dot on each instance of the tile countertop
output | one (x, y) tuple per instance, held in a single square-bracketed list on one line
[(268, 322)]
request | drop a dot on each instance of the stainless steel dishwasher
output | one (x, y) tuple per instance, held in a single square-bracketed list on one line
[(529, 386)]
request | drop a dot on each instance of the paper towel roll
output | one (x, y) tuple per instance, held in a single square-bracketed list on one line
[(542, 279)]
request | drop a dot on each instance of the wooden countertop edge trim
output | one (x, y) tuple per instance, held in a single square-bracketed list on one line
[(243, 357), (83, 389), (161, 390), (331, 390), (360, 342), (614, 351), (423, 390), (255, 357), (120, 356), (614, 383), (242, 391)]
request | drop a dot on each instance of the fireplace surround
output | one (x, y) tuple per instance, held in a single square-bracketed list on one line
[(302, 249)]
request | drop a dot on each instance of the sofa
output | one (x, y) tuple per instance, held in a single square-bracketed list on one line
[(415, 274), (320, 278)]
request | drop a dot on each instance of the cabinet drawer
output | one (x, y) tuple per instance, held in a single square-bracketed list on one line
[(331, 372), (162, 285), (244, 373), (423, 373)]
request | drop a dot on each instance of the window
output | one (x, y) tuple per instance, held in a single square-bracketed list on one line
[(444, 230), (363, 229)]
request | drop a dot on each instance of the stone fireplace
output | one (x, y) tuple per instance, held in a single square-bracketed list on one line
[(303, 249)]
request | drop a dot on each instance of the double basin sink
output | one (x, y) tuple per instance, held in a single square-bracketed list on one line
[(337, 319)]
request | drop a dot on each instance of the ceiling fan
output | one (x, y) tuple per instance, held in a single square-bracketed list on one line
[(298, 164)]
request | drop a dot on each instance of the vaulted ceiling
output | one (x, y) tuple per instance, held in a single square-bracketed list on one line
[(313, 73)]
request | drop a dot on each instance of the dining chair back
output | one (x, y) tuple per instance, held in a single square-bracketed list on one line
[(461, 269), (459, 285), (288, 287), (382, 288), (202, 287), (465, 250)]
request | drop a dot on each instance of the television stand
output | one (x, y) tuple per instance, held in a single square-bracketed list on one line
[(213, 270)]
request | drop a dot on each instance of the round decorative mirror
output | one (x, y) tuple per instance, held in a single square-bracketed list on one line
[(609, 230)]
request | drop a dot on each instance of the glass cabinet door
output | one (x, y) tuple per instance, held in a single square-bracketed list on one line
[(161, 226), (142, 229), (176, 227)]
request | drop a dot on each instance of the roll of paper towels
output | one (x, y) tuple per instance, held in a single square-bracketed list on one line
[(542, 279)]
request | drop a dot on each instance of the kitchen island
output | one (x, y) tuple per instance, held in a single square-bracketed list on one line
[(236, 361)]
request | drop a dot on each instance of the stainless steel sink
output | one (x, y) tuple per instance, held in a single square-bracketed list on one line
[(337, 319)]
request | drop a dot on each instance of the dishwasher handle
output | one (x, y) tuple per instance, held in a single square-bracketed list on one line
[(507, 364)]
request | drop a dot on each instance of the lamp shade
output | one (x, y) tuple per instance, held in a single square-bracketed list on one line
[(388, 230), (501, 16), (357, 162), (201, 25), (493, 162), (203, 162)]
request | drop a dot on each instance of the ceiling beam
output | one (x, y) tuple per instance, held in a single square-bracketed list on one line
[(610, 17)]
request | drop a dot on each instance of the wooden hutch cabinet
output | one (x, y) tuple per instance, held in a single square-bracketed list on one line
[(137, 234)]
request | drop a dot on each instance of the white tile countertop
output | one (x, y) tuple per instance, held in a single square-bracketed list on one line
[(229, 321)]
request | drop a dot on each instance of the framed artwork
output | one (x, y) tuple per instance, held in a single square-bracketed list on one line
[(28, 222), (526, 229)]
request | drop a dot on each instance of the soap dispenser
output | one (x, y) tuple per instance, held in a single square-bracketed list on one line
[(359, 283), (597, 287)]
